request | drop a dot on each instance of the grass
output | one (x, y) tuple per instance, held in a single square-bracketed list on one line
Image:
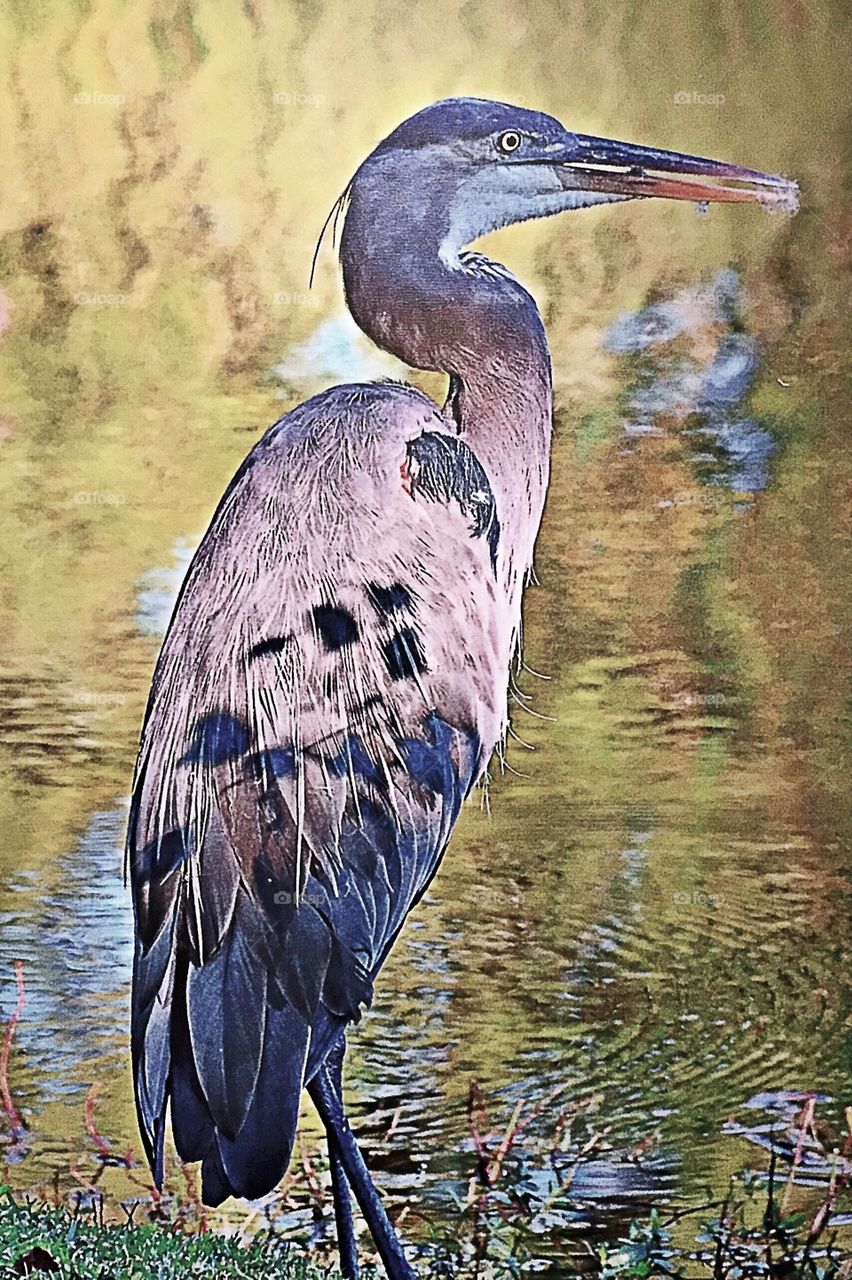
[(76, 1244)]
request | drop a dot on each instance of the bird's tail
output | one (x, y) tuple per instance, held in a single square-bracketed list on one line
[(233, 1095), (255, 1160)]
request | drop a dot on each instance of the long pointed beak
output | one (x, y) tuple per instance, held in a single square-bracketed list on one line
[(624, 168)]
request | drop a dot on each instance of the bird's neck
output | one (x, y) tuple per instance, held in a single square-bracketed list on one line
[(469, 318)]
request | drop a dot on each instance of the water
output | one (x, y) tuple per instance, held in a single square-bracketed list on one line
[(655, 913)]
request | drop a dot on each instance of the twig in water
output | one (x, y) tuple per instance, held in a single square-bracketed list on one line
[(805, 1122), (100, 1143), (820, 1219), (194, 1198), (769, 1212), (392, 1128), (17, 1128), (312, 1178), (722, 1242)]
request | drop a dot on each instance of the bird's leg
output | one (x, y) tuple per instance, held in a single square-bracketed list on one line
[(327, 1096), (346, 1245)]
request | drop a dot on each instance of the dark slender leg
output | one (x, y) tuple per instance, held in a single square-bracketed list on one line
[(326, 1094), (346, 1245)]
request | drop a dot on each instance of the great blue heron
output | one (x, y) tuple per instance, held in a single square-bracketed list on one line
[(334, 678)]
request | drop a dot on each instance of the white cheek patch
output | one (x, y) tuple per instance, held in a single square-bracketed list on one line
[(497, 196)]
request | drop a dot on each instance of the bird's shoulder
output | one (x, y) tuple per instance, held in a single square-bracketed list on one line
[(353, 476), (360, 420)]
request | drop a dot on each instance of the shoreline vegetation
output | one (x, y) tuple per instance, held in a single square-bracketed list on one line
[(750, 1232), (516, 1218), (789, 1221)]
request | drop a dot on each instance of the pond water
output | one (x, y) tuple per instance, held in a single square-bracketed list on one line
[(654, 914)]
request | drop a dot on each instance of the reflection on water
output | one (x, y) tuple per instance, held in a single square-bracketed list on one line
[(655, 914), (705, 385), (157, 589), (74, 941), (336, 352), (773, 1121)]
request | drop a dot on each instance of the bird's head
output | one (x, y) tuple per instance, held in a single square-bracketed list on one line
[(464, 167), (472, 166)]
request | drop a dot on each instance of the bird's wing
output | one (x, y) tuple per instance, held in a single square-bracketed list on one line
[(332, 684)]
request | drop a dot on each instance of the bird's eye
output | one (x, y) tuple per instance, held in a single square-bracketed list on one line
[(509, 141)]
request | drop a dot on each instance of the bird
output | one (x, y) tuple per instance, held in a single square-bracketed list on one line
[(334, 679)]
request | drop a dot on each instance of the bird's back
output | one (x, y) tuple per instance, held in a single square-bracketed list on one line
[(332, 684)]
